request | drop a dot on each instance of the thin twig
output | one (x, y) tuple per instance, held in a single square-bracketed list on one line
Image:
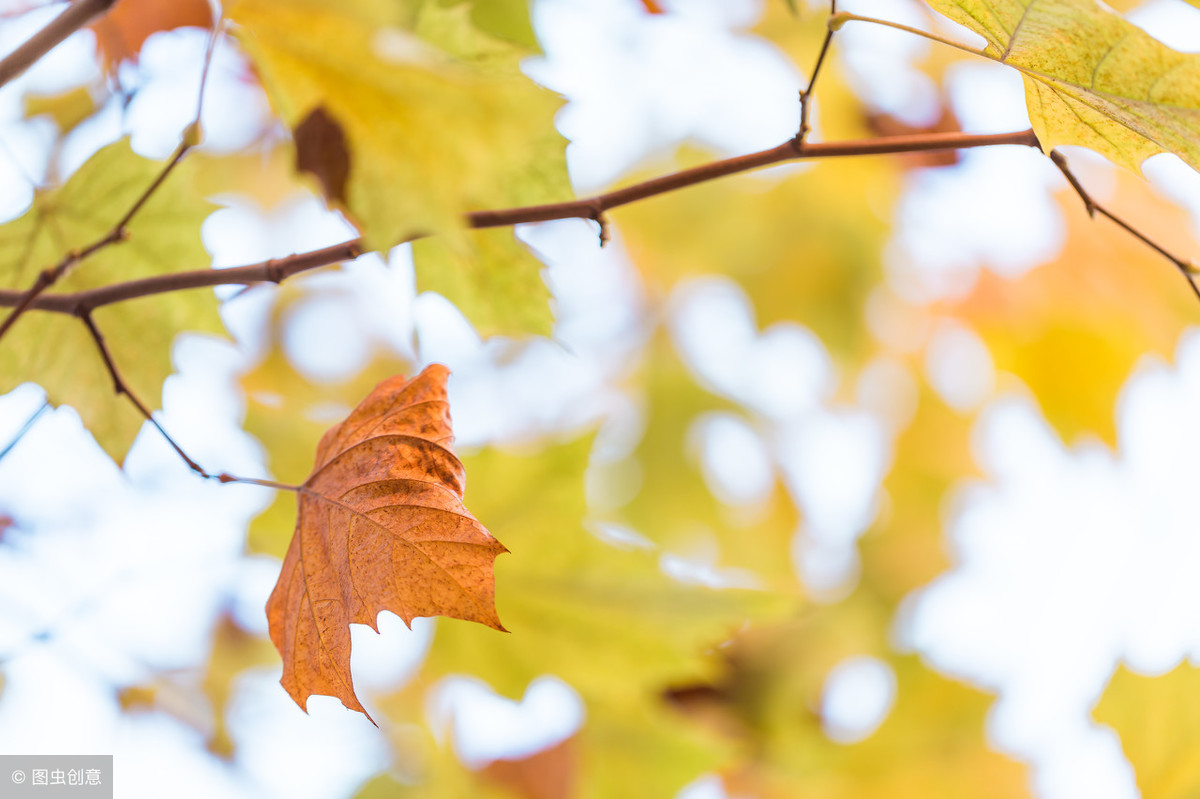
[(279, 269), (25, 428), (76, 15), (121, 387), (120, 231), (1093, 208), (806, 95)]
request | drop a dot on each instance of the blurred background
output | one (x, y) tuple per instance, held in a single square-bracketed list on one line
[(854, 478)]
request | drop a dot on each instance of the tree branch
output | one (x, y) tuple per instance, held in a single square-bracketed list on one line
[(1185, 268), (119, 232), (121, 387), (25, 428), (806, 95), (76, 15), (279, 269)]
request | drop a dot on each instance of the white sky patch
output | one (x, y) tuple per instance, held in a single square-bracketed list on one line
[(736, 466), (959, 367), (639, 82), (832, 462), (235, 111), (858, 694), (487, 726), (323, 338), (340, 747), (782, 372), (987, 97), (879, 60), (386, 660), (1174, 24), (992, 209)]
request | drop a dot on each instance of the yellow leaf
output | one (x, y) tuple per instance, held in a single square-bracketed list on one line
[(55, 350), (603, 617), (67, 108), (494, 279), (436, 114), (931, 742), (1091, 78), (1158, 720), (905, 549), (674, 507)]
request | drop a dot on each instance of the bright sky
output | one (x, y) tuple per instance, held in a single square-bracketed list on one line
[(1067, 559)]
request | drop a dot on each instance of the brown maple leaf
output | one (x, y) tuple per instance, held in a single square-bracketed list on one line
[(382, 526)]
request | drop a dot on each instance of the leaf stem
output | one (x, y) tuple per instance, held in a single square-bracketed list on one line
[(842, 17)]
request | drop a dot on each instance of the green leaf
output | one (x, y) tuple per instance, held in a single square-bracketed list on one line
[(1159, 724), (1092, 78), (674, 506), (494, 279), (604, 618), (55, 350), (437, 116)]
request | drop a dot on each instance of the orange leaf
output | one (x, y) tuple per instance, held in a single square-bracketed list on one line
[(121, 32), (381, 527)]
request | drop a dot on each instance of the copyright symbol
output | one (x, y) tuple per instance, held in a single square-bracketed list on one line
[(18, 777)]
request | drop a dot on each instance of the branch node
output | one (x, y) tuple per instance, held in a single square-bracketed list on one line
[(275, 272), (600, 219)]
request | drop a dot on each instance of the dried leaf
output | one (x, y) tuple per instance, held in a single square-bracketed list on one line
[(381, 527), (425, 99), (321, 150)]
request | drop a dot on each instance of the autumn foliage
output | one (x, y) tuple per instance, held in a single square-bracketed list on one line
[(719, 423)]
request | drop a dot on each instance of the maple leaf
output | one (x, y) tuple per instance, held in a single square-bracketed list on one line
[(55, 350), (489, 275), (425, 101), (381, 527), (1091, 77)]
